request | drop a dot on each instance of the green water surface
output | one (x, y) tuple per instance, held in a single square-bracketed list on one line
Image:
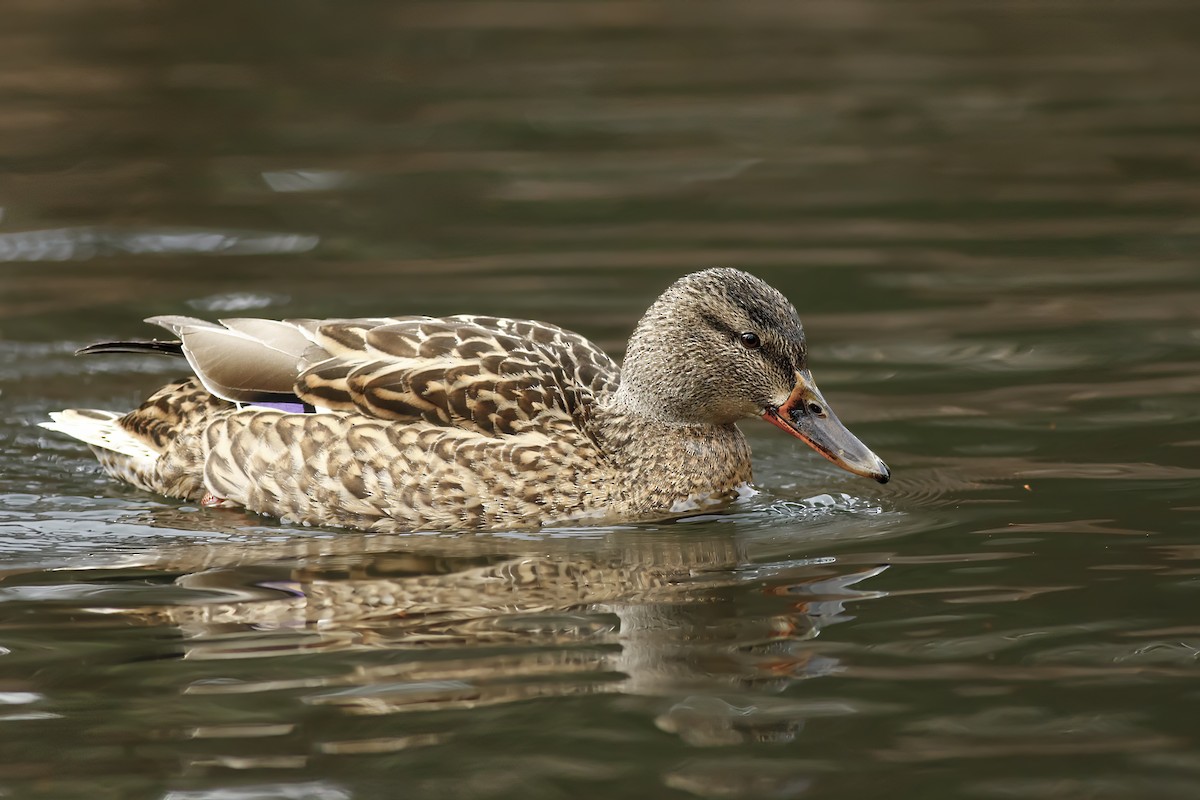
[(987, 214)]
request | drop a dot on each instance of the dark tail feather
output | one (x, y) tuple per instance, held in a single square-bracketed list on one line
[(162, 348)]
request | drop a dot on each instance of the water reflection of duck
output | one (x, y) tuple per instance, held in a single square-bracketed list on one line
[(474, 422), (469, 622)]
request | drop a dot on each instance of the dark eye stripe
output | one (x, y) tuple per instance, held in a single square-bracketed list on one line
[(780, 361), (716, 324)]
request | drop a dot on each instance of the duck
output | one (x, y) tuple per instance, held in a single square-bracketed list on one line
[(473, 423)]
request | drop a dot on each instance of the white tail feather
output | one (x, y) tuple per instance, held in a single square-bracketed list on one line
[(100, 429)]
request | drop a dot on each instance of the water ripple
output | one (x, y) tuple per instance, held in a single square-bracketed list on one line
[(80, 244), (314, 790), (748, 777)]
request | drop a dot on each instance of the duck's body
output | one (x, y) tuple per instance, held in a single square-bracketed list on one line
[(469, 422)]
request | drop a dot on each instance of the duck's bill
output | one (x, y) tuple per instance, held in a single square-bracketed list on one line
[(807, 416)]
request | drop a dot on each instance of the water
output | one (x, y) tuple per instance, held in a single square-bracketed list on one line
[(987, 216)]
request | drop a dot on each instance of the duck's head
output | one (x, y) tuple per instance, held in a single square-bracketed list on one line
[(721, 345)]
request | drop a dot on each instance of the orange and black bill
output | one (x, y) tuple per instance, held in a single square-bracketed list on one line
[(806, 416)]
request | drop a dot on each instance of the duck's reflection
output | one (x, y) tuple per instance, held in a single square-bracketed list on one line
[(474, 621)]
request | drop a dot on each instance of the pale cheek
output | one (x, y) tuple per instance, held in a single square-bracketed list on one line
[(761, 384), (732, 409)]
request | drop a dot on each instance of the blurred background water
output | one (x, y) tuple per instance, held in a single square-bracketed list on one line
[(988, 215)]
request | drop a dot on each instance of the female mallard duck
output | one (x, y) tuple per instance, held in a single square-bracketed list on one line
[(472, 422)]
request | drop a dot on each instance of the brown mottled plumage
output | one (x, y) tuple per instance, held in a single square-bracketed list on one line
[(473, 422)]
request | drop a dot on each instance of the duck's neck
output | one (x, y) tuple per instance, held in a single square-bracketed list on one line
[(672, 467)]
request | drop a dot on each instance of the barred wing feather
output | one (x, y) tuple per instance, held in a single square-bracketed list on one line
[(486, 374)]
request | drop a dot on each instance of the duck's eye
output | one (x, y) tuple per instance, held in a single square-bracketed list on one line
[(750, 340)]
